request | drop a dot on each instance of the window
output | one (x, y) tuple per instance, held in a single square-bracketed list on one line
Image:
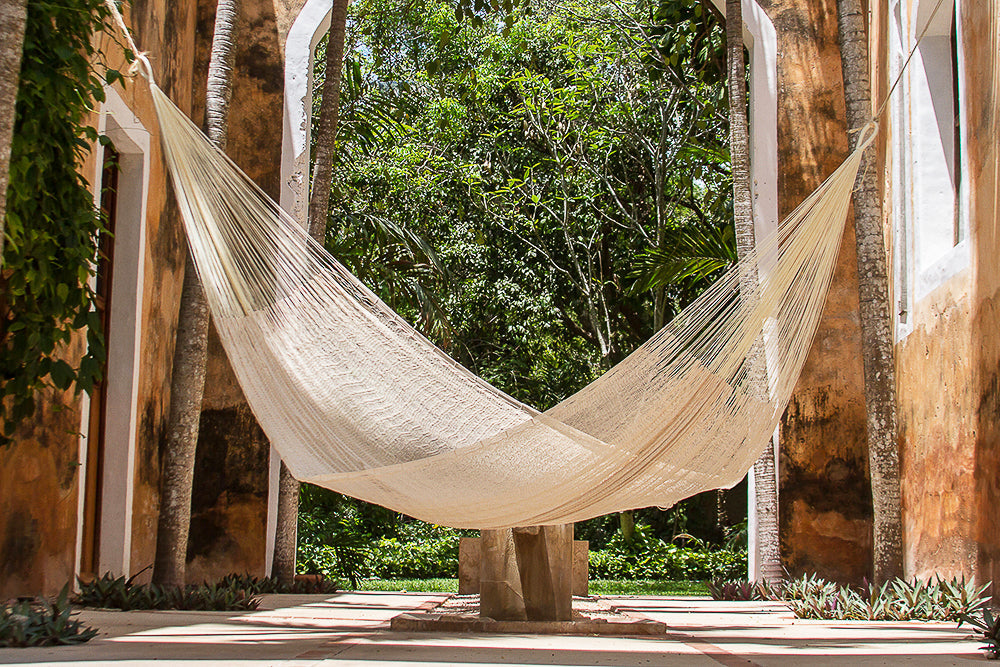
[(929, 218)]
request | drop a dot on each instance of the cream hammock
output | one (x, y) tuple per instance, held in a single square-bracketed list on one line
[(357, 401)]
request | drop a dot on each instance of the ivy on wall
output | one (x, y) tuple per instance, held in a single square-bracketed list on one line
[(51, 222)]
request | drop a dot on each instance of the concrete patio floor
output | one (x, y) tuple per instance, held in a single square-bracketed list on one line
[(352, 629)]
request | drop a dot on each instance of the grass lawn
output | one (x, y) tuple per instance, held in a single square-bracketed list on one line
[(597, 586)]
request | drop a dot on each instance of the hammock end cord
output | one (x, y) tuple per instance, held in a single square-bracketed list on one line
[(866, 134), (140, 64)]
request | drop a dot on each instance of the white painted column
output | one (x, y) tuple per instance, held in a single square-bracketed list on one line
[(308, 29)]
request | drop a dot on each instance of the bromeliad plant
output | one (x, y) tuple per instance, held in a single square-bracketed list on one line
[(737, 590), (42, 623), (107, 591), (812, 597)]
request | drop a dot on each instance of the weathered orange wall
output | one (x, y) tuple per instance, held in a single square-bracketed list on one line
[(38, 503), (947, 366), (38, 476), (166, 30), (825, 499), (937, 438)]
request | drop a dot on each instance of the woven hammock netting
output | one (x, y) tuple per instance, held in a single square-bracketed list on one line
[(355, 400)]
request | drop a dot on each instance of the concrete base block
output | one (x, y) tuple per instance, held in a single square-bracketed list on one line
[(590, 617)]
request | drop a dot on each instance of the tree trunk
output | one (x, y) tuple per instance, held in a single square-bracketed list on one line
[(283, 567), (766, 500), (286, 533), (626, 523), (188, 382), (177, 465), (326, 127), (873, 298), (13, 17)]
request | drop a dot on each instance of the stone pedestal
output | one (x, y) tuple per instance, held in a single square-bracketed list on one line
[(525, 573), (545, 563), (470, 558)]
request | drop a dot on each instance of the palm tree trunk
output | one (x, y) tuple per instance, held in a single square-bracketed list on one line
[(286, 533), (326, 127), (187, 385), (283, 567), (766, 492), (873, 301), (13, 17)]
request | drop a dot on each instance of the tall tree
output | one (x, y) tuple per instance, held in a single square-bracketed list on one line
[(873, 302), (765, 486), (283, 568), (187, 384), (13, 17)]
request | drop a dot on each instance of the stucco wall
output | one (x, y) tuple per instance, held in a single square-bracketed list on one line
[(38, 506), (825, 505), (937, 437), (166, 30), (948, 353), (39, 476)]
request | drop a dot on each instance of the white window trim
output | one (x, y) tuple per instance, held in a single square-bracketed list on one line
[(132, 140), (912, 281)]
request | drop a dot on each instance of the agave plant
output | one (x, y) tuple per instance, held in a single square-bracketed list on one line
[(989, 625), (42, 623), (963, 597), (232, 593)]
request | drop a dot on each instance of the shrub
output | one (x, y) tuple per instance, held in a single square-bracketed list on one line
[(425, 559), (659, 560), (41, 623), (420, 551)]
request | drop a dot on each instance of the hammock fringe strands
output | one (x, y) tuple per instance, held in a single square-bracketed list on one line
[(357, 401)]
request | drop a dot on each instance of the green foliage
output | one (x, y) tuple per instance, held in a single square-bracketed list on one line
[(649, 557), (42, 623), (267, 585), (647, 587), (344, 538), (427, 558), (496, 179), (813, 597), (437, 585), (336, 534), (668, 562), (229, 594), (51, 224), (597, 586), (517, 184), (988, 624), (689, 256)]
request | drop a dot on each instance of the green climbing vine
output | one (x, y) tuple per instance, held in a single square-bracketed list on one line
[(51, 222)]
